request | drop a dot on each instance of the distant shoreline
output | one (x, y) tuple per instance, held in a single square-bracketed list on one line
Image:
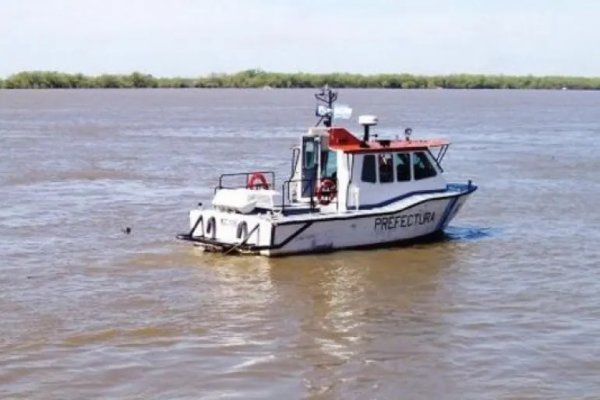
[(276, 80)]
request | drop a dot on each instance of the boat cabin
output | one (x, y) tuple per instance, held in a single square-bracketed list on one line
[(335, 171), (346, 173)]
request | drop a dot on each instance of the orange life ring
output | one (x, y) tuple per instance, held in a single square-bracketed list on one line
[(257, 181), (326, 191)]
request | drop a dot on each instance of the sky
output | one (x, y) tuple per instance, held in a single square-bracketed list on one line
[(198, 37)]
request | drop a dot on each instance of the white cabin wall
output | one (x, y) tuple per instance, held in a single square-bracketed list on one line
[(343, 177), (374, 193)]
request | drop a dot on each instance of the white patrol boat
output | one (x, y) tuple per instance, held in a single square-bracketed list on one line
[(344, 192)]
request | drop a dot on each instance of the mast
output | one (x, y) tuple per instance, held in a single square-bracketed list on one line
[(327, 96)]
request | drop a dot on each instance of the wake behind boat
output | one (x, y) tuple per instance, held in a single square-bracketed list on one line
[(343, 192)]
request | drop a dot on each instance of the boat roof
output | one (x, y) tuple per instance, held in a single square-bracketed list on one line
[(342, 139)]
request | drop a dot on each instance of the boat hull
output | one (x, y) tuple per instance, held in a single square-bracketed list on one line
[(408, 220)]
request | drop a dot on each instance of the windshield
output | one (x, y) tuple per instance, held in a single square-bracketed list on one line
[(329, 164)]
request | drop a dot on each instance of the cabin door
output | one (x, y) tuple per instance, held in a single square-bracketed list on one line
[(310, 166)]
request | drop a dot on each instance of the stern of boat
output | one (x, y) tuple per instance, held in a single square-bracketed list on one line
[(220, 231)]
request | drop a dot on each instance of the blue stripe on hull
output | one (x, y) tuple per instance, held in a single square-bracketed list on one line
[(398, 198), (450, 188), (447, 212)]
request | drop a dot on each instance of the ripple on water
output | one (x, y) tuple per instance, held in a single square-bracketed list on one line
[(140, 336), (503, 306)]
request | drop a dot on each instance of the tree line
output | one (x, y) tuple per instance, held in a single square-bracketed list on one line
[(261, 79)]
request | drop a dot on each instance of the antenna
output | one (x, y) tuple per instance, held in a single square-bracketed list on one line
[(327, 96), (327, 111)]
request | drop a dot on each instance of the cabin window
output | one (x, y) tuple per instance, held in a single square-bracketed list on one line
[(329, 164), (368, 169), (309, 153), (386, 168), (403, 167), (422, 166)]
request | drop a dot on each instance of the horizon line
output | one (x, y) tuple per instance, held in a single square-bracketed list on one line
[(260, 71)]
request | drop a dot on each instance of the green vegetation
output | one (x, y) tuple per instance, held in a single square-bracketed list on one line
[(259, 79)]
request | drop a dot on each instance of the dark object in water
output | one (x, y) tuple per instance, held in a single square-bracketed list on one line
[(127, 230)]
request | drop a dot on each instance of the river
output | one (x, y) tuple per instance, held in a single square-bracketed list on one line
[(506, 305)]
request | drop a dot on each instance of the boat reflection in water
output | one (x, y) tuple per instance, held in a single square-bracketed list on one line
[(332, 314)]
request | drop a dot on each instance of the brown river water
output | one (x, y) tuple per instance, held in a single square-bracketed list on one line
[(505, 306)]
